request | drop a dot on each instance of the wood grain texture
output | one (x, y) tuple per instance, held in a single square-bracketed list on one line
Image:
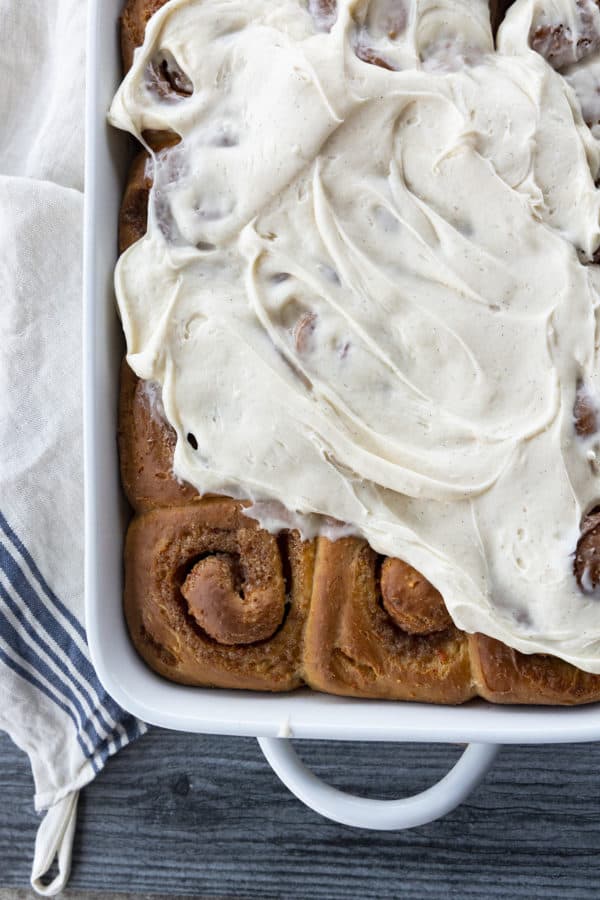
[(204, 816)]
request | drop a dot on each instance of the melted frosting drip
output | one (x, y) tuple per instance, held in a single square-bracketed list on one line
[(362, 289)]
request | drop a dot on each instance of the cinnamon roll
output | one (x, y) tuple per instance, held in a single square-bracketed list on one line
[(146, 439), (134, 18), (566, 35), (212, 599), (146, 446), (369, 635), (503, 675), (133, 216)]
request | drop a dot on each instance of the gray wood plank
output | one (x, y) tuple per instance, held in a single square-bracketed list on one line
[(204, 816), (74, 894)]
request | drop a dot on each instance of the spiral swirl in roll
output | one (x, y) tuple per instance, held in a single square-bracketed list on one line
[(212, 599), (237, 594), (358, 646), (412, 603)]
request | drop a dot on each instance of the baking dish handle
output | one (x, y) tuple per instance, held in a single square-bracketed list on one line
[(379, 815)]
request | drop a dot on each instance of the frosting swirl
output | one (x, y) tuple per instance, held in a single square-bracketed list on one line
[(363, 287)]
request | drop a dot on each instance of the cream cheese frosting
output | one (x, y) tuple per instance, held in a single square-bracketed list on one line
[(363, 288)]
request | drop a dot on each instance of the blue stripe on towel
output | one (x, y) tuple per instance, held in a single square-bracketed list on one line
[(47, 626), (81, 661), (24, 642), (57, 635), (52, 624), (23, 673), (27, 653), (40, 578), (133, 728)]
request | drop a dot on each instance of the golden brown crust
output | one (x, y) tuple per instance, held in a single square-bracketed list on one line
[(410, 600), (504, 675), (146, 440), (352, 646), (134, 19), (162, 547), (146, 447), (133, 217)]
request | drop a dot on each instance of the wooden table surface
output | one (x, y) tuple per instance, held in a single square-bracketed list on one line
[(205, 816)]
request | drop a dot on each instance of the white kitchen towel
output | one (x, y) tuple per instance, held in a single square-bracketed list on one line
[(51, 702)]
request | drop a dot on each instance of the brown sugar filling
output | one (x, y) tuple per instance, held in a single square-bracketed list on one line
[(586, 564), (165, 77), (412, 602), (556, 44), (324, 13), (368, 55), (585, 415), (235, 597)]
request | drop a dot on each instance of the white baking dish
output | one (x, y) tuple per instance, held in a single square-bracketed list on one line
[(270, 718)]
